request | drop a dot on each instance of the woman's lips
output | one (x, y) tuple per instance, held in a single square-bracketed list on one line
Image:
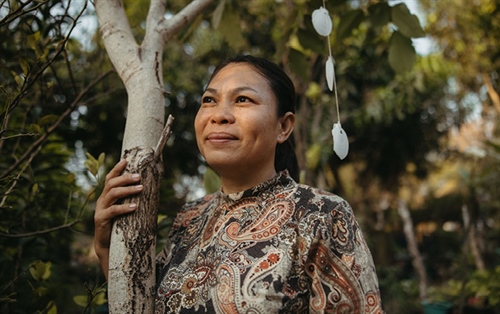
[(221, 137)]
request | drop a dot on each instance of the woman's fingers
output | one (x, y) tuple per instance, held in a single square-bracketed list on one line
[(116, 171), (117, 186), (106, 206), (115, 178)]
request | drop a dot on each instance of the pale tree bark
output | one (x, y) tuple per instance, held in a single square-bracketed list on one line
[(495, 98), (131, 279), (131, 274), (472, 238), (411, 243)]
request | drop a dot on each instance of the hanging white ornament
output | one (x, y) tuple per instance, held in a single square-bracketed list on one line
[(340, 141), (322, 22), (330, 72)]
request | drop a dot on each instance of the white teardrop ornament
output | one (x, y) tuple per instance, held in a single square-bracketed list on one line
[(322, 22), (330, 72), (340, 141)]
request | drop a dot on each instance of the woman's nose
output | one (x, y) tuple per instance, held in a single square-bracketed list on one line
[(223, 114)]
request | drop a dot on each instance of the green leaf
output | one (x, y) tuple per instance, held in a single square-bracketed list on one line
[(43, 56), (211, 180), (24, 66), (310, 40), (47, 272), (19, 80), (349, 22), (379, 14), (91, 167), (93, 164), (313, 156), (313, 91), (298, 63), (81, 300), (41, 291), (34, 188), (160, 218), (91, 158), (217, 14), (230, 28), (101, 158), (100, 298), (70, 178), (34, 128), (40, 270), (47, 120), (402, 55), (33, 40), (406, 22), (51, 308)]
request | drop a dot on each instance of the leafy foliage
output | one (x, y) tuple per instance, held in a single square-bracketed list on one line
[(43, 89)]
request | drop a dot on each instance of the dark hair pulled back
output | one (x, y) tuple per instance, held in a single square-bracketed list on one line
[(284, 91)]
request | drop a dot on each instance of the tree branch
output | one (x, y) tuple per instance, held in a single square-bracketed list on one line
[(411, 243), (30, 234), (169, 28), (495, 98), (51, 129), (28, 83), (117, 35), (20, 11), (14, 183), (156, 15), (165, 135)]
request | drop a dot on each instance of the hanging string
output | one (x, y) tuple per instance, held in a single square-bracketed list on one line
[(323, 25), (334, 76), (334, 80)]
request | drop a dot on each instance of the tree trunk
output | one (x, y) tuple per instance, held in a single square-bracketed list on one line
[(495, 98), (472, 238), (417, 261), (131, 280), (131, 266)]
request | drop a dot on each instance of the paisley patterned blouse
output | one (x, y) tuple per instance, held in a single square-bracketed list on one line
[(280, 247)]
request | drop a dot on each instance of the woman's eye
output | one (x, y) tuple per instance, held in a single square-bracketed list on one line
[(243, 99), (207, 99)]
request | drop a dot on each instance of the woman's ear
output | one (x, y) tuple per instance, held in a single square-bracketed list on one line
[(287, 123)]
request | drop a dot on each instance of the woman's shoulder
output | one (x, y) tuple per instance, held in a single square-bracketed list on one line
[(321, 212), (199, 202), (193, 209), (319, 200)]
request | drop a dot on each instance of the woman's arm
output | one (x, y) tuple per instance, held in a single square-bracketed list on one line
[(116, 186), (341, 266)]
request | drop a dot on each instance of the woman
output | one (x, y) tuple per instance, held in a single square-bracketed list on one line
[(262, 243)]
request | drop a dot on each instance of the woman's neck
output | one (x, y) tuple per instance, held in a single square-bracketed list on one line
[(238, 183)]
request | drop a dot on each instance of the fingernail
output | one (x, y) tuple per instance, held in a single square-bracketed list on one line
[(136, 176), (132, 205), (138, 187)]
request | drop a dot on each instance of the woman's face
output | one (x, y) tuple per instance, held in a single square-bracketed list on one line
[(237, 127)]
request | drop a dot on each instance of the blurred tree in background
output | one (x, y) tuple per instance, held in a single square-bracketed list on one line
[(422, 129), (467, 181)]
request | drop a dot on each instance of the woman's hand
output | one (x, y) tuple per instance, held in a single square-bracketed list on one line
[(116, 186)]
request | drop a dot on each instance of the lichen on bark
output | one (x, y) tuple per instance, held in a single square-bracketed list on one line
[(132, 271)]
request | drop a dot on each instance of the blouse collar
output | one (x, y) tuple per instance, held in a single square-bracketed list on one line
[(281, 179)]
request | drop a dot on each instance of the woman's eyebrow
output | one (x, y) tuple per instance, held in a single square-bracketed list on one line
[(234, 91), (244, 89)]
